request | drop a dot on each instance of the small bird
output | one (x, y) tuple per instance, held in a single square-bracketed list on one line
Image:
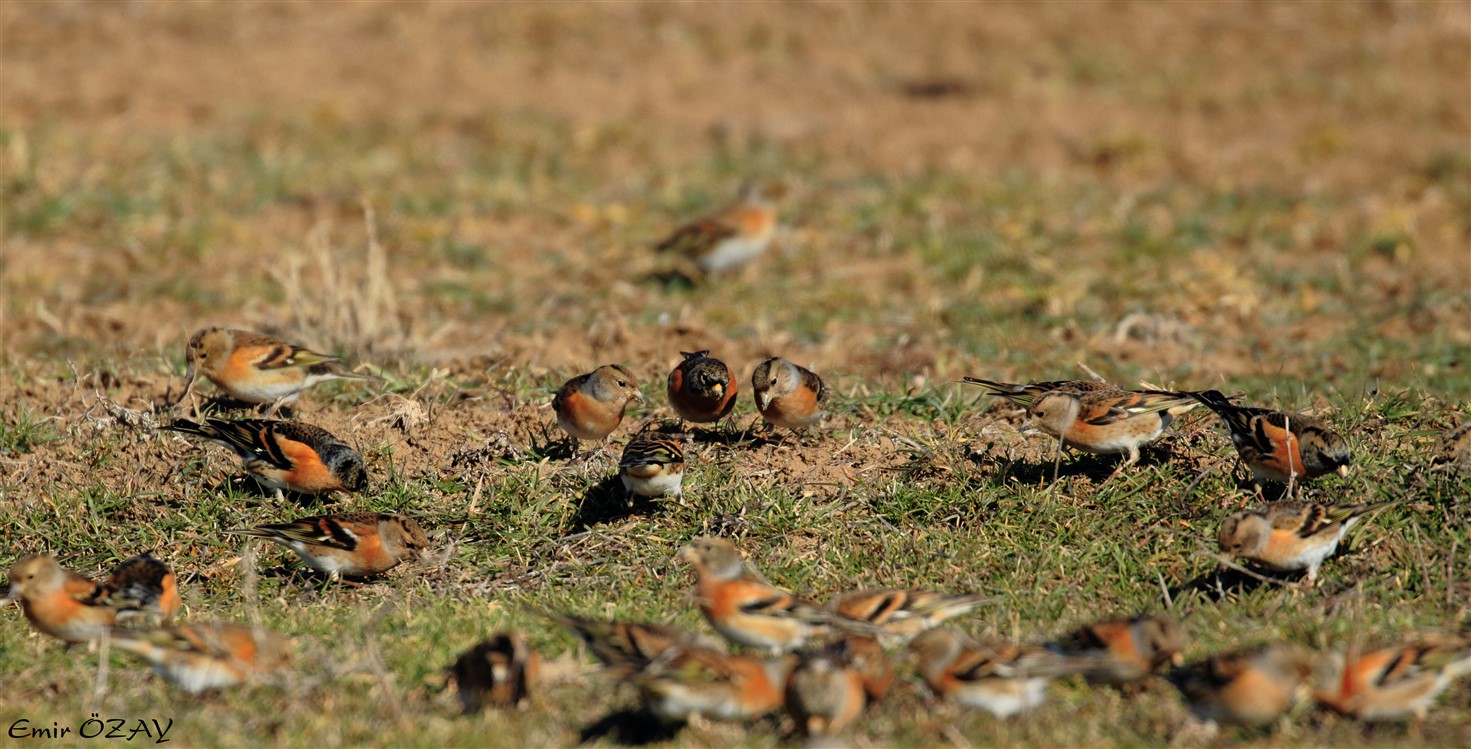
[(1108, 421), (1392, 683), (875, 669), (732, 238), (904, 613), (1252, 687), (73, 608), (997, 677), (702, 388), (628, 647), (1292, 535), (355, 544), (501, 671), (257, 368), (1126, 651), (746, 609), (590, 406), (824, 693), (1453, 452), (1279, 447), (1026, 394), (686, 682), (286, 455), (787, 395), (653, 465), (202, 656)]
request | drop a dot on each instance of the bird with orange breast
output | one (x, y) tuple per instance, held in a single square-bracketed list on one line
[(502, 671), (350, 544), (1292, 535), (1392, 683), (256, 368), (73, 608), (1251, 687), (702, 388), (207, 656), (730, 239), (1280, 447), (590, 406), (283, 455), (788, 395)]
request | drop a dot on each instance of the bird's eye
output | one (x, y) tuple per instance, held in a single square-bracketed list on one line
[(204, 354), (622, 384)]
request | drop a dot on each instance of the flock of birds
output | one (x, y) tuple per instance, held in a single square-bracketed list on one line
[(822, 663)]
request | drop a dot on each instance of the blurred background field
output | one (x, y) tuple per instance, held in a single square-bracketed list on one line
[(1268, 198)]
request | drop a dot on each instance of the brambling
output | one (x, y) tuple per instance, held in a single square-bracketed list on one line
[(590, 406), (746, 609), (732, 238), (73, 608), (1279, 447), (1125, 651), (1453, 452), (1252, 687), (685, 682), (502, 671), (702, 388), (1025, 394), (286, 455), (903, 613), (824, 693), (354, 544), (653, 465), (626, 647), (788, 395), (1290, 535), (257, 368), (201, 656), (875, 668), (1392, 683), (1107, 421), (1000, 678)]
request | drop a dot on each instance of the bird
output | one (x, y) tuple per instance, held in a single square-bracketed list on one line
[(283, 455), (788, 395), (730, 239), (72, 608), (653, 465), (256, 368), (1291, 535), (591, 405), (1025, 394), (866, 656), (1392, 683), (1252, 687), (1279, 447), (686, 682), (702, 388), (1453, 451), (1000, 678), (204, 656), (746, 609), (824, 693), (501, 671), (903, 613), (1107, 421), (1127, 650), (627, 647), (354, 545)]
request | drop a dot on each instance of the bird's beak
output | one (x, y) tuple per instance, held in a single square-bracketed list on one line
[(763, 399), (719, 390), (687, 554), (639, 397), (1178, 659), (1343, 471)]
